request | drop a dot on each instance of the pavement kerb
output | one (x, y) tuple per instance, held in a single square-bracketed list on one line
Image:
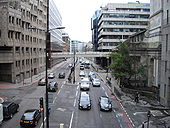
[(102, 78), (27, 82)]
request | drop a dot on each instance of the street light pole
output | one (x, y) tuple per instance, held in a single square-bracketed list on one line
[(74, 66)]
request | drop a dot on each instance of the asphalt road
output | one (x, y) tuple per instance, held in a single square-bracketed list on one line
[(64, 105)]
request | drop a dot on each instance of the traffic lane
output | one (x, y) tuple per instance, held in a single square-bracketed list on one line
[(108, 119), (29, 101), (63, 106), (119, 110)]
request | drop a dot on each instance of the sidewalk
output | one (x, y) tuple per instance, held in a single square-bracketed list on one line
[(29, 81)]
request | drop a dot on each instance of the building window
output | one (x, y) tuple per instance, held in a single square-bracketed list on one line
[(165, 65), (164, 90), (166, 42), (167, 15)]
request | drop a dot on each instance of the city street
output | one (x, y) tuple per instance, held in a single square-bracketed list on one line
[(64, 104)]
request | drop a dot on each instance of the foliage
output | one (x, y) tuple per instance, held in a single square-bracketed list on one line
[(121, 63)]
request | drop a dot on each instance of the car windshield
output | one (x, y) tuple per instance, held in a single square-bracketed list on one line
[(96, 80), (84, 99), (28, 116), (104, 100)]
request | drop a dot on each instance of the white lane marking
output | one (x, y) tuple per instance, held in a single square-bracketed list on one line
[(106, 94), (71, 120), (76, 93), (62, 85), (103, 88), (77, 87), (54, 100), (58, 92), (74, 103), (42, 123)]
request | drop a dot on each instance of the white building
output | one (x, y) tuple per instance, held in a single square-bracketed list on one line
[(118, 21)]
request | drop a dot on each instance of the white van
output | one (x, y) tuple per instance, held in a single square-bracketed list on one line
[(1, 113)]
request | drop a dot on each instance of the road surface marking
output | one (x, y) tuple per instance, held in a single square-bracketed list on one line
[(103, 88), (58, 92), (42, 123), (106, 94), (62, 86), (74, 103), (71, 120), (54, 100), (76, 93)]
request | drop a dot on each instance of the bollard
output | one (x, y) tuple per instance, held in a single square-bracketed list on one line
[(61, 125)]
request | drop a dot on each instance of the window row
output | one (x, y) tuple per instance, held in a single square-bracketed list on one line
[(133, 9), (28, 62), (109, 43), (115, 37), (122, 30), (28, 50), (23, 24), (114, 15), (125, 23), (20, 36)]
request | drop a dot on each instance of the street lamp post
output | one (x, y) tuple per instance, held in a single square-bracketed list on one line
[(74, 67), (47, 34)]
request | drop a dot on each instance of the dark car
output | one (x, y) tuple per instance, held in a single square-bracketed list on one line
[(61, 75), (9, 109), (105, 103), (30, 118), (84, 101), (53, 86)]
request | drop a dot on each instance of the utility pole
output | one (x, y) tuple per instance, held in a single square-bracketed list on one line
[(74, 66)]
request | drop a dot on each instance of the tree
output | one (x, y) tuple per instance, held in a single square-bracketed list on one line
[(122, 65)]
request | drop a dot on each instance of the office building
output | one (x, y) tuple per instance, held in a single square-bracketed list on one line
[(22, 49), (118, 21)]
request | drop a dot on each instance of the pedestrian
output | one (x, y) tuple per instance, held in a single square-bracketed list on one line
[(137, 97)]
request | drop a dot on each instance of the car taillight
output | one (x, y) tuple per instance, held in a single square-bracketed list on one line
[(32, 122), (21, 121)]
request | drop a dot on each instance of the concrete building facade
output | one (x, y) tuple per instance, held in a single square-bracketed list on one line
[(22, 49), (118, 21), (165, 55)]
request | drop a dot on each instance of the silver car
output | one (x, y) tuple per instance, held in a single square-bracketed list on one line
[(96, 82)]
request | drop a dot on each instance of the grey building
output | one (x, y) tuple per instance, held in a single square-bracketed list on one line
[(22, 49), (118, 21), (165, 54)]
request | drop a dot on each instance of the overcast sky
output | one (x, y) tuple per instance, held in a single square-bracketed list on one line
[(76, 15)]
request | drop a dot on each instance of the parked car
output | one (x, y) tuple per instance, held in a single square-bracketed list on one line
[(30, 118), (51, 76), (96, 82), (41, 82), (105, 103), (84, 101), (9, 109), (52, 86), (61, 75)]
